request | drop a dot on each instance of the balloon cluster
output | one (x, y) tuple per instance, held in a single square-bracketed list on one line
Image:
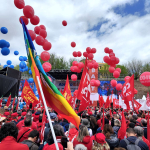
[(94, 82), (22, 66), (9, 64)]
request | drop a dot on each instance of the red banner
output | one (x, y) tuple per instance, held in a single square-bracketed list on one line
[(43, 127), (148, 100), (28, 95), (115, 103)]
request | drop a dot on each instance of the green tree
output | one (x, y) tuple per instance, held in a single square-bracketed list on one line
[(124, 70), (146, 67)]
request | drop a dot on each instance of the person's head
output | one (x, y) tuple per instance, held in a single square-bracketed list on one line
[(131, 125), (108, 130), (71, 126), (130, 132), (144, 122), (27, 122), (33, 136), (135, 117), (108, 116), (53, 116), (117, 123), (83, 131), (115, 116), (85, 122), (139, 131), (133, 120), (39, 109), (24, 107), (80, 147), (83, 115), (139, 115), (93, 121), (8, 129), (29, 114), (119, 148)]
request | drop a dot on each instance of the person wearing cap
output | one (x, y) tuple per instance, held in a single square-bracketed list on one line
[(117, 125), (83, 138), (100, 142), (7, 115), (23, 114), (14, 117), (37, 114)]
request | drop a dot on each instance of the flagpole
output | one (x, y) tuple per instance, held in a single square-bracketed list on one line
[(45, 105)]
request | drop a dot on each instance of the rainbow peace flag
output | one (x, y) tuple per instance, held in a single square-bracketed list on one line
[(53, 96)]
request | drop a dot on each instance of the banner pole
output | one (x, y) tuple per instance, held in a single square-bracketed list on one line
[(49, 119)]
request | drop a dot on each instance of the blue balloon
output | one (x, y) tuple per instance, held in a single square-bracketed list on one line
[(24, 58), (3, 43), (9, 62), (30, 80), (21, 58), (5, 66), (30, 72), (21, 70), (16, 53), (8, 44), (4, 30), (5, 51), (11, 66), (26, 69), (22, 65)]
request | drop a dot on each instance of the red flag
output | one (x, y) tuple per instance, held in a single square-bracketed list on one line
[(67, 91), (101, 101), (148, 100), (107, 102), (43, 127), (28, 95), (84, 89), (8, 101), (128, 91), (17, 104), (148, 128), (72, 101), (61, 91), (13, 103), (103, 123), (122, 130), (116, 103), (1, 100), (137, 105)]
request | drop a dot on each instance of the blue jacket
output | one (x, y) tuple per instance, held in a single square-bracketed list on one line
[(132, 139)]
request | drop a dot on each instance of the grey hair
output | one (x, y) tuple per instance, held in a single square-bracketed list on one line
[(80, 147), (139, 131), (144, 121), (71, 126)]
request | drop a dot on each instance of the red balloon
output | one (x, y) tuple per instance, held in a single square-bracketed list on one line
[(28, 11), (47, 66), (42, 27), (90, 56), (74, 68), (80, 65), (135, 91), (39, 40), (113, 83), (106, 59), (117, 61), (19, 4), (32, 34), (113, 66), (85, 54), (35, 20), (64, 23), (78, 70), (111, 69), (95, 65), (126, 78), (110, 51), (106, 50), (73, 44), (97, 83), (45, 56), (73, 77), (92, 82), (116, 74), (90, 65), (113, 59), (37, 29), (79, 54), (75, 63), (93, 50), (47, 45), (75, 54), (43, 33), (145, 78), (25, 20), (119, 87), (50, 78), (111, 54), (118, 69), (88, 49)]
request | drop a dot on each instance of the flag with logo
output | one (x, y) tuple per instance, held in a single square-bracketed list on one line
[(101, 101)]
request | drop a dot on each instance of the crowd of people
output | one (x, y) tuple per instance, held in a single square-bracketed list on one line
[(21, 130)]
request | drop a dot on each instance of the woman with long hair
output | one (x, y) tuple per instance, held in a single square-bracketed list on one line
[(83, 138), (93, 124)]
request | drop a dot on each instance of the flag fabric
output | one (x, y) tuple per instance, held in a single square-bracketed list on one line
[(148, 128), (61, 91), (28, 95), (107, 104), (148, 100), (67, 92), (122, 130), (17, 104), (72, 101), (13, 104), (115, 103), (1, 100), (128, 91), (101, 101), (43, 127), (103, 122), (84, 89), (8, 101), (137, 105), (54, 98)]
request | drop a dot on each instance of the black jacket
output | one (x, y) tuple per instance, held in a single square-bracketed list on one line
[(30, 144)]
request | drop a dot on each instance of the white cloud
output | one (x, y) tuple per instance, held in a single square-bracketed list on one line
[(129, 37)]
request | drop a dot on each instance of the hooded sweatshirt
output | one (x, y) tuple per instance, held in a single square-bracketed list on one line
[(71, 133)]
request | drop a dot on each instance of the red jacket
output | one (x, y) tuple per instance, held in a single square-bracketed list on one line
[(146, 141), (21, 124), (10, 143), (71, 133), (23, 134), (87, 142)]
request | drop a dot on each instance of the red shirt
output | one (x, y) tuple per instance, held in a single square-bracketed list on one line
[(10, 143)]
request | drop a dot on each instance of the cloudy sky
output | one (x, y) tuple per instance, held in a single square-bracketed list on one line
[(122, 25)]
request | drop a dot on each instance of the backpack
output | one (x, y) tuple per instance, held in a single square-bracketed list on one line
[(131, 145)]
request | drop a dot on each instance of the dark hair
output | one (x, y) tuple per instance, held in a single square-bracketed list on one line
[(40, 118), (131, 125), (93, 122), (23, 110), (130, 130), (139, 115), (98, 116), (27, 122), (108, 130), (8, 129), (30, 106), (33, 134), (134, 117), (133, 120), (83, 115), (108, 116)]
